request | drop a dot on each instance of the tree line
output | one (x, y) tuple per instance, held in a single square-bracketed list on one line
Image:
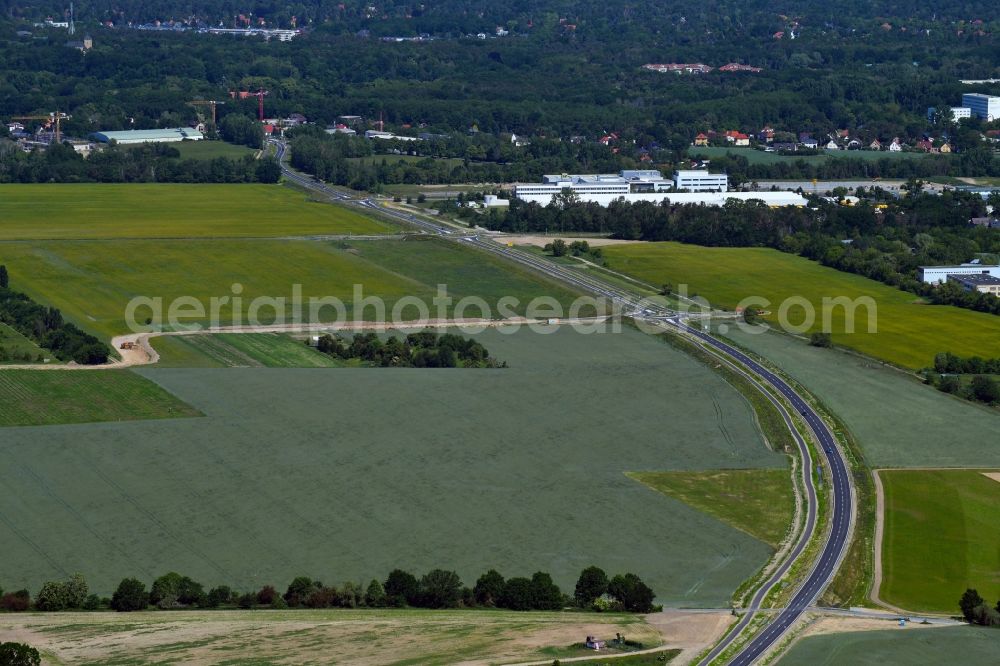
[(146, 163), (948, 369), (977, 610), (46, 328), (437, 588), (425, 349)]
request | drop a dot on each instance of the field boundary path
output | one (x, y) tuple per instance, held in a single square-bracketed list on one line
[(135, 348)]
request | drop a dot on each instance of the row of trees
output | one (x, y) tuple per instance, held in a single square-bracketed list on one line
[(948, 363), (46, 327), (149, 163), (976, 610), (438, 588), (425, 349)]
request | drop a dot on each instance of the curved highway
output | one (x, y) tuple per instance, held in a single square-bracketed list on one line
[(840, 527), (841, 494)]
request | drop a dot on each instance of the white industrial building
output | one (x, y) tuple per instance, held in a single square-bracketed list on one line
[(701, 181), (982, 106), (378, 134), (169, 135), (939, 274), (633, 186), (957, 112)]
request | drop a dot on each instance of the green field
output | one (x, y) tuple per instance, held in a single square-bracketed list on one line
[(760, 157), (16, 344), (209, 150), (940, 538), (30, 212), (756, 501), (912, 646), (897, 420), (46, 397), (238, 350), (393, 636), (909, 333), (347, 473), (106, 275)]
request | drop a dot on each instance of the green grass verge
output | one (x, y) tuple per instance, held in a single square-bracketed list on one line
[(972, 646), (16, 344), (171, 210), (239, 350), (47, 397), (909, 333), (756, 501), (940, 538)]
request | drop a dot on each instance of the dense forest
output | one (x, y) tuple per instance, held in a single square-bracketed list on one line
[(564, 70)]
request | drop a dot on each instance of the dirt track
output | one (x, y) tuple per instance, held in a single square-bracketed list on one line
[(142, 352)]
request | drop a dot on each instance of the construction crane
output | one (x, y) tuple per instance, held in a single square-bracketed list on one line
[(207, 102), (244, 94), (56, 117)]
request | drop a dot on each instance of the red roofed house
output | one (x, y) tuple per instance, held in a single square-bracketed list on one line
[(737, 138), (701, 140)]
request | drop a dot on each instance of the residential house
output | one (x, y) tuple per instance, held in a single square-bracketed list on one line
[(945, 147), (854, 144), (737, 138), (832, 145), (927, 146), (766, 135), (895, 146), (807, 141), (875, 145), (701, 139)]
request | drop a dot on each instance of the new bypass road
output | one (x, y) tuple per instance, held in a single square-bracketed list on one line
[(834, 543)]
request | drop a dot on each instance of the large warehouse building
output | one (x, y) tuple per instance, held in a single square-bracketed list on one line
[(709, 189), (169, 135)]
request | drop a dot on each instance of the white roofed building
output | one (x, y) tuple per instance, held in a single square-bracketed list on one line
[(633, 186)]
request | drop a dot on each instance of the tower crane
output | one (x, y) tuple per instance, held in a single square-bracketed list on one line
[(243, 94), (57, 117), (209, 103)]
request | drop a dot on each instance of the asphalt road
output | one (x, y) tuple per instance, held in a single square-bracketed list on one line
[(840, 529), (840, 482)]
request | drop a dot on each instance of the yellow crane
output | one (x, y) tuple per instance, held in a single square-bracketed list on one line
[(57, 117), (207, 102)]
